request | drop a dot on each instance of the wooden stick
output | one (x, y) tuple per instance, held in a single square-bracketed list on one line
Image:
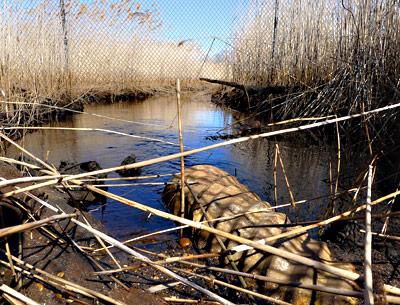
[(368, 282), (12, 300), (275, 178), (89, 129), (32, 225), (28, 153), (17, 295), (285, 176), (12, 161), (383, 235), (189, 301), (178, 104)]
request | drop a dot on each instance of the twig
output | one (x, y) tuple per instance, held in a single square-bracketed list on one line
[(368, 282), (178, 104), (275, 173), (17, 295), (285, 176), (383, 235), (32, 225)]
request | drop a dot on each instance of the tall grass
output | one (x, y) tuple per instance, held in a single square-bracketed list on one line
[(349, 49), (103, 46)]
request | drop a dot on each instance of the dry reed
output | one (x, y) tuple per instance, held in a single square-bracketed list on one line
[(348, 48)]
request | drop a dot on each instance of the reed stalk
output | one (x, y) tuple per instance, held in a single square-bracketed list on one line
[(368, 282), (181, 147)]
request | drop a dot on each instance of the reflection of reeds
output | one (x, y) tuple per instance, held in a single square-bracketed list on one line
[(100, 46), (351, 46)]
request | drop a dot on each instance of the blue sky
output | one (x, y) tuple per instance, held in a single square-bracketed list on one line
[(200, 20)]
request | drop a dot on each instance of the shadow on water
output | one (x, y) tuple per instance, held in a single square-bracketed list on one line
[(307, 166)]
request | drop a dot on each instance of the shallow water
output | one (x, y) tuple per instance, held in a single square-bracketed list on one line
[(306, 166)]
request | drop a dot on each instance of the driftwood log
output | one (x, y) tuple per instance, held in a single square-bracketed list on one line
[(246, 97), (219, 194)]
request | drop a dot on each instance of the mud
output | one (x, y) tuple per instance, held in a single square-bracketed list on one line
[(52, 251)]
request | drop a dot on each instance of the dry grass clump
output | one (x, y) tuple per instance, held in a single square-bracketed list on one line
[(347, 49)]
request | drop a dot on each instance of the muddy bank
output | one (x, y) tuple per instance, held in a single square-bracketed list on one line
[(53, 249)]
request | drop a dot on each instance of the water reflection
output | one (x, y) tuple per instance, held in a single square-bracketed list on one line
[(253, 162)]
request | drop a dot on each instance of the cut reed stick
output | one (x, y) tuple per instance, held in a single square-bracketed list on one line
[(304, 229), (12, 300), (351, 293), (178, 105), (51, 169), (189, 301), (285, 176), (102, 243), (137, 255), (19, 296), (32, 225), (13, 161), (275, 178), (90, 129), (384, 236), (368, 282)]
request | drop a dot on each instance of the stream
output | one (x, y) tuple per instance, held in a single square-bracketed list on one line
[(306, 166)]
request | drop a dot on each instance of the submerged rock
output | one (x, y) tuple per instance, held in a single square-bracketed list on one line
[(129, 172), (80, 196), (223, 195)]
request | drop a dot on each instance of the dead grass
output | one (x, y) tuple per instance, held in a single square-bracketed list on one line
[(103, 46), (347, 49)]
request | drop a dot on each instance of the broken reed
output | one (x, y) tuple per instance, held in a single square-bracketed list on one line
[(344, 52)]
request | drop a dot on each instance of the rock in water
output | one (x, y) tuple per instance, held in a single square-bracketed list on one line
[(129, 172), (223, 195), (83, 197)]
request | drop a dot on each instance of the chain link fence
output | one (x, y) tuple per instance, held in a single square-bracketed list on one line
[(117, 44), (106, 44)]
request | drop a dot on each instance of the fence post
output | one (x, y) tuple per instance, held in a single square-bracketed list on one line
[(66, 69), (276, 10)]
